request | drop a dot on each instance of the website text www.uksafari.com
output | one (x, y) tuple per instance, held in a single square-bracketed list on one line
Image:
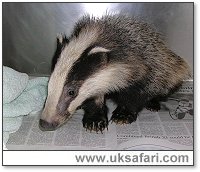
[(144, 158)]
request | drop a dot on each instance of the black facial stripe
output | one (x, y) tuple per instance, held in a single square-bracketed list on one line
[(86, 65)]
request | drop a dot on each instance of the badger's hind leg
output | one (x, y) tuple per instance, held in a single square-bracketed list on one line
[(95, 117), (153, 105)]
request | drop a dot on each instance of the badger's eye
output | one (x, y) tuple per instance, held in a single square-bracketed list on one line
[(71, 93)]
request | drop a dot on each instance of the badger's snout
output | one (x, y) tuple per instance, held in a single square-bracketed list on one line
[(48, 126), (52, 121)]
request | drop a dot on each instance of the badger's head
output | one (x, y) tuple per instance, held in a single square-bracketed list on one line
[(83, 71), (69, 84)]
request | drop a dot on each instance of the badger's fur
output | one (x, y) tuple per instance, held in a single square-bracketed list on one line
[(114, 57)]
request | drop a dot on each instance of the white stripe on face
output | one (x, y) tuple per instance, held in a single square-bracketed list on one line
[(69, 55)]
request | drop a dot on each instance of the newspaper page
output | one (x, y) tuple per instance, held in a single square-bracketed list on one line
[(152, 131)]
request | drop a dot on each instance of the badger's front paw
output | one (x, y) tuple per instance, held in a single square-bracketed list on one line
[(123, 116), (95, 123)]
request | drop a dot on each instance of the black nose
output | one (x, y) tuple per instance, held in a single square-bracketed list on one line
[(46, 126)]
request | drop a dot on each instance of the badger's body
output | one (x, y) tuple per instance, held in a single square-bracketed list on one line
[(114, 57)]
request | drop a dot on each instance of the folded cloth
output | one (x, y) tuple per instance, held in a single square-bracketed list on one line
[(13, 84), (21, 96)]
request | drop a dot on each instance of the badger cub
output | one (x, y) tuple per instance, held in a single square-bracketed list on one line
[(115, 57)]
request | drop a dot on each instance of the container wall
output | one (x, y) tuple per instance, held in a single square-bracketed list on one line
[(29, 29)]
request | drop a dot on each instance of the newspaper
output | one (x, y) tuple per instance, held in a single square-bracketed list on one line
[(163, 130)]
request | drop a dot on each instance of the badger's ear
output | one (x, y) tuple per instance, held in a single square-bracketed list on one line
[(62, 39), (98, 50), (100, 53)]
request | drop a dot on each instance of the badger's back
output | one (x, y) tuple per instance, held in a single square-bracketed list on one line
[(137, 44)]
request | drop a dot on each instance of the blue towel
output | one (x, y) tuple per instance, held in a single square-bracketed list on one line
[(21, 96)]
